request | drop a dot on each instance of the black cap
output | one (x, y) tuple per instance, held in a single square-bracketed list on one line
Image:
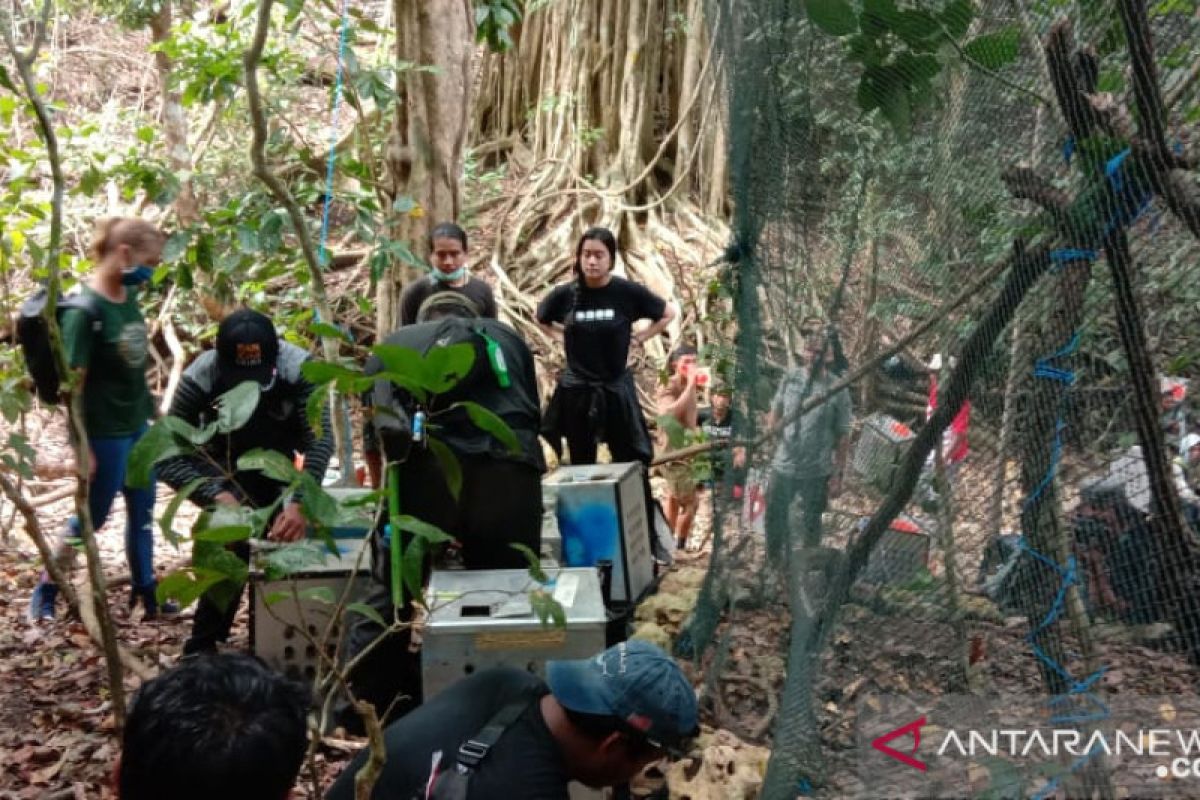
[(247, 348)]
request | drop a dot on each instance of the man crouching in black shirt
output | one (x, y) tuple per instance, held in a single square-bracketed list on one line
[(599, 721)]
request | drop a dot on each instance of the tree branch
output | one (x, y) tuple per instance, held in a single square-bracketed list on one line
[(329, 345), (1147, 95), (1079, 115), (1025, 184)]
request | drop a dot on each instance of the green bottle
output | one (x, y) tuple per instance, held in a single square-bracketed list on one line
[(496, 358)]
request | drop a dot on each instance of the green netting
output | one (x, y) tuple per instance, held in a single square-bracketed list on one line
[(1005, 185)]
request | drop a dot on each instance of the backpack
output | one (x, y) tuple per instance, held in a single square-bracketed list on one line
[(35, 338), (455, 782)]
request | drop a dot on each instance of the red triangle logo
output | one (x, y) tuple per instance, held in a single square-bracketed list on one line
[(913, 728)]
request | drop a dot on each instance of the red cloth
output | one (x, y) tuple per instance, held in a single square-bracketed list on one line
[(954, 443)]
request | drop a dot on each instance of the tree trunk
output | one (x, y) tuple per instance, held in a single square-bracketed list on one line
[(174, 121), (428, 137)]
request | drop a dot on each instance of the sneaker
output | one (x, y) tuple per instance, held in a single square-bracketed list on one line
[(41, 603)]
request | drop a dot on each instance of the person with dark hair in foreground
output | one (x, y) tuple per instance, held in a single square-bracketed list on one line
[(598, 721), (448, 257), (221, 727)]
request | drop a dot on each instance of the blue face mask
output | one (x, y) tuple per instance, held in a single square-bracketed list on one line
[(450, 277), (137, 274)]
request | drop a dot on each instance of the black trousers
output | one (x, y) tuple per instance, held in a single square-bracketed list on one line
[(500, 503)]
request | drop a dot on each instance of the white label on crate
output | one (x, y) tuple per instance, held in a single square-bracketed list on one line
[(516, 606), (565, 589)]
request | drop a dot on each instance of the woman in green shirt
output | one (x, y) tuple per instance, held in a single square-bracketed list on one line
[(110, 349)]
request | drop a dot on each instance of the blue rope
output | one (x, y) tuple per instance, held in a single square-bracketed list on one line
[(323, 252), (1068, 575), (1131, 201), (1071, 255)]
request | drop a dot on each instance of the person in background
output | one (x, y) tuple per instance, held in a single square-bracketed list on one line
[(677, 401), (1190, 458), (955, 444), (248, 349), (215, 726), (812, 449), (110, 354), (599, 721), (1115, 547), (448, 257), (593, 315), (716, 422)]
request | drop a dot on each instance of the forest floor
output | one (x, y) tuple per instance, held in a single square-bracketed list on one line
[(56, 727)]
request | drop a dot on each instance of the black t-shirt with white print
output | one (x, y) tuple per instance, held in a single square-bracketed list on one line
[(599, 323)]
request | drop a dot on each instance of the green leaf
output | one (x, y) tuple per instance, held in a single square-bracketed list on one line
[(145, 134), (409, 383), (835, 17), (918, 68), (272, 463), (917, 28), (451, 468), (897, 110), (995, 50), (326, 330), (215, 559), (167, 521), (402, 361), (446, 366), (420, 529), (188, 432), (6, 81), (412, 567), (224, 535), (957, 16), (247, 239), (364, 610), (156, 444), (293, 558), (547, 609), (531, 558), (319, 594), (319, 372), (185, 587), (676, 433), (314, 409), (235, 407), (487, 421), (319, 506)]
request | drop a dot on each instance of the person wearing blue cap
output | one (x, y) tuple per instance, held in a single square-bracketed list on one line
[(505, 733)]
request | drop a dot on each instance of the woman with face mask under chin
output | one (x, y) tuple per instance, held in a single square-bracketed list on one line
[(109, 348)]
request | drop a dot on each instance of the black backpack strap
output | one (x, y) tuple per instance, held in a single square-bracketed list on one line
[(454, 783)]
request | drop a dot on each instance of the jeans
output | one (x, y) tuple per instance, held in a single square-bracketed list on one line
[(783, 488), (112, 455)]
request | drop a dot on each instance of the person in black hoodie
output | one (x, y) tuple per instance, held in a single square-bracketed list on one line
[(248, 349)]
